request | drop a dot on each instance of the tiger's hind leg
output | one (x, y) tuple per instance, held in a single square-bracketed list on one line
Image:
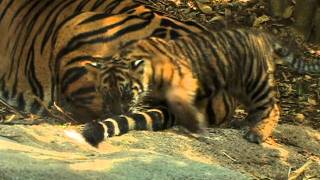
[(263, 111), (181, 102), (262, 129), (221, 108)]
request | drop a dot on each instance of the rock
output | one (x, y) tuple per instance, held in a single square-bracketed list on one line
[(119, 165), (41, 157), (47, 152), (205, 8)]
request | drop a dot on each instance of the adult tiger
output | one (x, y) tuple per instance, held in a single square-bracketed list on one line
[(194, 74), (47, 46)]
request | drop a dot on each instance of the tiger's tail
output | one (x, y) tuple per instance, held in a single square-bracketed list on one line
[(151, 119), (295, 61)]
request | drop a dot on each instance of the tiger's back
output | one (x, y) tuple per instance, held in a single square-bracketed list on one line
[(47, 46)]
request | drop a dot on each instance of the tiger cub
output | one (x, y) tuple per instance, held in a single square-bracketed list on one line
[(193, 73)]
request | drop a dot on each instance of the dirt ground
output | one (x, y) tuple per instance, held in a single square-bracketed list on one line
[(295, 145)]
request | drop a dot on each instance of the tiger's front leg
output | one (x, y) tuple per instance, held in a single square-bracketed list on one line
[(84, 108)]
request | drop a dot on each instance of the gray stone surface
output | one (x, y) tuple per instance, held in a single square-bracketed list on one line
[(58, 152), (30, 157), (122, 165)]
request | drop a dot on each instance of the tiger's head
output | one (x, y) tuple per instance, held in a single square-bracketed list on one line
[(122, 83), (125, 80)]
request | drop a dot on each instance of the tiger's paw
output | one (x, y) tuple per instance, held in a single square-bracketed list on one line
[(254, 137), (237, 124), (93, 133)]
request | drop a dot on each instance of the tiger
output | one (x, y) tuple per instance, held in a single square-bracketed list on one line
[(199, 75), (49, 50)]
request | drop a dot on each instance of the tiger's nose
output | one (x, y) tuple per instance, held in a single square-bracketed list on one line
[(113, 103), (116, 109)]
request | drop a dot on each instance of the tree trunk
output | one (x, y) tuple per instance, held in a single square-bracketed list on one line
[(316, 31), (306, 15), (278, 7)]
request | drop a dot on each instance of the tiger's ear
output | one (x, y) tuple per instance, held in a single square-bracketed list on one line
[(93, 68), (137, 65), (93, 64)]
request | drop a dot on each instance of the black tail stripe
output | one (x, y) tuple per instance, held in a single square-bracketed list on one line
[(157, 120), (141, 123), (168, 118), (110, 128), (122, 124)]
